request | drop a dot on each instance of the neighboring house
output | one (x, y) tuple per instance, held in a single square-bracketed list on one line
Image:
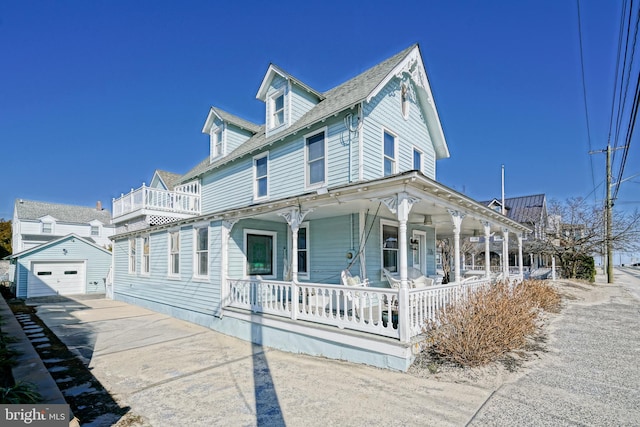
[(35, 223), (530, 211), (67, 265), (254, 241)]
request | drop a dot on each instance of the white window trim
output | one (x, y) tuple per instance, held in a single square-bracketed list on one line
[(50, 223), (142, 271), (255, 176), (384, 222), (171, 274), (421, 158), (195, 229), (306, 275), (132, 257), (98, 229), (271, 109), (274, 255), (218, 130), (307, 177), (395, 150)]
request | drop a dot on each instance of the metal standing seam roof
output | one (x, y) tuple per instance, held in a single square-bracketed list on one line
[(337, 99), (525, 209), (33, 210)]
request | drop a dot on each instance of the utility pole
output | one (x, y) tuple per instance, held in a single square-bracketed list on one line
[(607, 218), (608, 205)]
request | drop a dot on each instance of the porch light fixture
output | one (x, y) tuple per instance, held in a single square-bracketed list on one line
[(64, 251)]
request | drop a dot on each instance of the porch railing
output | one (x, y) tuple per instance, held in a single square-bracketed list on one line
[(157, 199), (373, 310)]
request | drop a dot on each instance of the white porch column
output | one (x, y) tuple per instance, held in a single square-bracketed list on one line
[(553, 267), (227, 225), (487, 249), (456, 218), (520, 261), (505, 253), (294, 218), (401, 205)]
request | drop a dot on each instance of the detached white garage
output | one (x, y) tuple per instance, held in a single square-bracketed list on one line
[(66, 266), (51, 278)]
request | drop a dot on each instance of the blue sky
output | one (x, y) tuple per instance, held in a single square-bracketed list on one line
[(96, 95)]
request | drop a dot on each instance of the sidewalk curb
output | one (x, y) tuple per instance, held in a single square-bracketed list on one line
[(30, 367)]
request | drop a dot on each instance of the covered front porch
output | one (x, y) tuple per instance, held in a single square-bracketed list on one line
[(394, 223)]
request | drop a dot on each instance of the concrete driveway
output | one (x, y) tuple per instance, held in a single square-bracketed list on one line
[(173, 373)]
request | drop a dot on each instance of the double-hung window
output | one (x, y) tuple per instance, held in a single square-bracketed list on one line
[(277, 110), (260, 252), (95, 230), (261, 175), (417, 160), (390, 247), (217, 142), (389, 142), (315, 152), (146, 260), (132, 255), (303, 250), (47, 228), (174, 253), (202, 252)]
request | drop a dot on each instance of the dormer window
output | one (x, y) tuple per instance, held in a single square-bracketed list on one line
[(277, 109), (47, 228), (217, 142)]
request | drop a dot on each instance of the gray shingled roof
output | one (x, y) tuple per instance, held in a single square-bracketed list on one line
[(170, 179), (337, 99), (235, 120), (525, 209), (32, 210)]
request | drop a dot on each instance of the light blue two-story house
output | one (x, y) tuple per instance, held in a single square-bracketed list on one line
[(314, 232)]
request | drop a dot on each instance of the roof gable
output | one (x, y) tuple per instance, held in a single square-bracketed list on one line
[(216, 113), (343, 97), (274, 71), (55, 242), (524, 209)]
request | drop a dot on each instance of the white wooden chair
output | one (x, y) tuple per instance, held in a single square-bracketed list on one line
[(363, 304)]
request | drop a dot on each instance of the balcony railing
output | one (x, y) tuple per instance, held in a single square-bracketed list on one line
[(154, 199)]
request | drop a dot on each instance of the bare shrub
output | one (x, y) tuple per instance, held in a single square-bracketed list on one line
[(488, 323), (542, 295)]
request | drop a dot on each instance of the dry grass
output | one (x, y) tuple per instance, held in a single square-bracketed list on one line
[(490, 323)]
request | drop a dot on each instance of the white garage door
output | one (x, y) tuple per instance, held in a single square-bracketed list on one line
[(52, 278)]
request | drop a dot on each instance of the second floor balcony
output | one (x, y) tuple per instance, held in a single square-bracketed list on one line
[(183, 202)]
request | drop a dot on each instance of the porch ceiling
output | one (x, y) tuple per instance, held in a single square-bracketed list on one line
[(434, 202)]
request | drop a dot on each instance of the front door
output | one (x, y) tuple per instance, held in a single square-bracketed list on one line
[(418, 251)]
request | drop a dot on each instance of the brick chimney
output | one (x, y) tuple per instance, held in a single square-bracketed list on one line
[(98, 205)]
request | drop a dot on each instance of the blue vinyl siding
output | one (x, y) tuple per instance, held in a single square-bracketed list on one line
[(97, 263), (184, 292), (237, 244), (231, 186), (330, 241), (301, 102), (385, 112), (235, 137)]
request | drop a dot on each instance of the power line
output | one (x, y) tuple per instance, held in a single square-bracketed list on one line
[(584, 97)]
